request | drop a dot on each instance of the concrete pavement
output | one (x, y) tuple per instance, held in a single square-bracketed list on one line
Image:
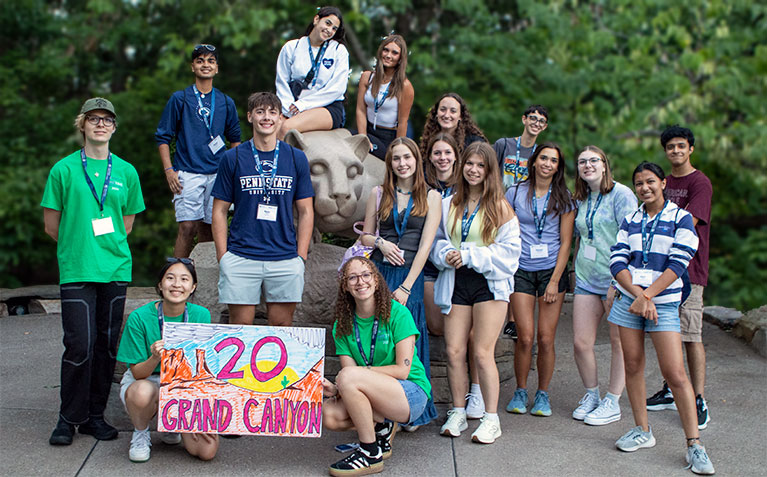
[(30, 350)]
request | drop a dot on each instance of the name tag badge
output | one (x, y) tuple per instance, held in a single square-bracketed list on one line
[(103, 226), (539, 251), (267, 212), (642, 277), (467, 245), (216, 144), (401, 254), (589, 252)]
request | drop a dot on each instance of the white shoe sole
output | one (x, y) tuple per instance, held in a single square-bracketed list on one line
[(449, 433), (602, 420), (646, 445), (476, 439), (662, 407), (475, 416)]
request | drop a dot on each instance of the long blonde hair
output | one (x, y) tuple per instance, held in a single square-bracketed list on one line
[(493, 204)]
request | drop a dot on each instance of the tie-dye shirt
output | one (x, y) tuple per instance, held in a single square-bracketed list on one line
[(594, 275)]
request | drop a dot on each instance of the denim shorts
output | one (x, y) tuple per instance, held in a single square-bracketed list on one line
[(129, 379), (194, 202), (241, 280), (416, 398), (582, 291), (668, 315)]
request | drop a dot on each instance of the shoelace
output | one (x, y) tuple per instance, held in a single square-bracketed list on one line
[(603, 408), (141, 436), (699, 454)]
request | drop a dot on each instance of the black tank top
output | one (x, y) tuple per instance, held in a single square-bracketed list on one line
[(409, 241)]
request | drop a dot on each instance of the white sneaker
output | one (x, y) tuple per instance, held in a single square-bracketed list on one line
[(475, 406), (607, 412), (456, 422), (488, 431), (170, 438), (588, 403), (140, 446)]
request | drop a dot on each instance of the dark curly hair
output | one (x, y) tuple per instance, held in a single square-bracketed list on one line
[(676, 131), (345, 304), (466, 125)]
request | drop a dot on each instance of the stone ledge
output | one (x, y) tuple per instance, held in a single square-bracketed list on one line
[(721, 316)]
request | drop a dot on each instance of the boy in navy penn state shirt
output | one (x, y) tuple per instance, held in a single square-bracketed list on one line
[(200, 118), (264, 178)]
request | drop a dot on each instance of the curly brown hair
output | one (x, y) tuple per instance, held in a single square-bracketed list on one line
[(346, 305), (466, 125)]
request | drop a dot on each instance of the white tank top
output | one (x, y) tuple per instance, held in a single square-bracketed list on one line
[(387, 112)]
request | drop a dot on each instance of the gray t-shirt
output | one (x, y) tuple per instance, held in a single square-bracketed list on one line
[(517, 197), (513, 169)]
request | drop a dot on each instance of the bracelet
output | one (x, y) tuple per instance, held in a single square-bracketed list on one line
[(404, 289), (375, 244), (168, 168), (646, 297)]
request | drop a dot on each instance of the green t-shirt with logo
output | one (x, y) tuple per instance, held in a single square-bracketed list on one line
[(399, 327), (83, 256), (142, 329)]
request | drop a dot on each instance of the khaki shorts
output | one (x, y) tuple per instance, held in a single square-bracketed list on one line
[(691, 316)]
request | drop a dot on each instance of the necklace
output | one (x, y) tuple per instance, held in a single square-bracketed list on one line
[(403, 192)]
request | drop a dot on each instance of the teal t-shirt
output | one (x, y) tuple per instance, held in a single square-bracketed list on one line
[(594, 275), (142, 329), (399, 327), (83, 256)]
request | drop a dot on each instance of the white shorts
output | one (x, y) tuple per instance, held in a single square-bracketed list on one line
[(194, 202), (128, 379)]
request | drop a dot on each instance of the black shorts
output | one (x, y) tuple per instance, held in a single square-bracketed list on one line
[(535, 283), (430, 272), (470, 287), (337, 113)]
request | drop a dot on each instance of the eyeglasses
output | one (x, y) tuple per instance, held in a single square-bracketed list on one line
[(95, 120), (184, 260), (537, 120), (591, 161), (365, 277), (210, 48)]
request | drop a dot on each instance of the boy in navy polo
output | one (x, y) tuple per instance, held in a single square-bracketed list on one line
[(691, 190), (200, 118), (264, 252)]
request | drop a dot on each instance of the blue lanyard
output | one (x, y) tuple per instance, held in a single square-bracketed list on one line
[(107, 176), (201, 110), (400, 227), (517, 162), (260, 168), (377, 104), (539, 224), (161, 316), (590, 215), (316, 62), (374, 335), (647, 240), (444, 191), (466, 223)]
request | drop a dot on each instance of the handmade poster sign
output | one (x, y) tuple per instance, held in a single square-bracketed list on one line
[(230, 379)]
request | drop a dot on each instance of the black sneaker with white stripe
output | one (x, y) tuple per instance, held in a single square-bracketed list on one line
[(359, 462), (385, 434)]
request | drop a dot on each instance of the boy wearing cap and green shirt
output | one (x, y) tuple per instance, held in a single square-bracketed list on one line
[(90, 200), (200, 118)]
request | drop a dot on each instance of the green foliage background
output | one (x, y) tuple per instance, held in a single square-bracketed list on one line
[(612, 73)]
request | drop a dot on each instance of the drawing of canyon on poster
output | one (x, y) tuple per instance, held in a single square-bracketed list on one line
[(232, 379)]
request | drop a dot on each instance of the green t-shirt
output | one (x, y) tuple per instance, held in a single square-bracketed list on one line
[(399, 327), (84, 257), (142, 329)]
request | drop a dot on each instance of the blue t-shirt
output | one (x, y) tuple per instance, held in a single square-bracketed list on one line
[(517, 197), (182, 120), (239, 183)]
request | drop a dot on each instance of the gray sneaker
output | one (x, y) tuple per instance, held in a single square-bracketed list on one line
[(635, 439), (698, 460)]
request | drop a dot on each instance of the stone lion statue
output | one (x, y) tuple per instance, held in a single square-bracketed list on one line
[(343, 174)]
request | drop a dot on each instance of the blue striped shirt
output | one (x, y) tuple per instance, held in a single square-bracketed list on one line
[(673, 246)]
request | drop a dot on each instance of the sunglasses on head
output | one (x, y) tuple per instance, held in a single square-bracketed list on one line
[(210, 48), (186, 261)]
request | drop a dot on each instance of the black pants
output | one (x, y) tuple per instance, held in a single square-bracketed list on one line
[(91, 315)]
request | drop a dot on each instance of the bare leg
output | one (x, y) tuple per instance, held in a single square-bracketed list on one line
[(487, 327), (524, 309), (632, 342), (457, 328), (280, 314), (185, 238), (696, 361), (316, 119), (242, 314), (141, 402), (668, 346), (548, 318), (204, 233), (587, 312), (435, 321)]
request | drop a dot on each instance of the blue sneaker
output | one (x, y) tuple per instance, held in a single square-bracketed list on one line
[(518, 403), (698, 460), (541, 406)]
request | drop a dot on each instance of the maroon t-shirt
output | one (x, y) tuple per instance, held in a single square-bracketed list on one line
[(693, 193)]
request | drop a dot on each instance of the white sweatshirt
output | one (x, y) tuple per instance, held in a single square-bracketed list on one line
[(497, 262), (332, 76)]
